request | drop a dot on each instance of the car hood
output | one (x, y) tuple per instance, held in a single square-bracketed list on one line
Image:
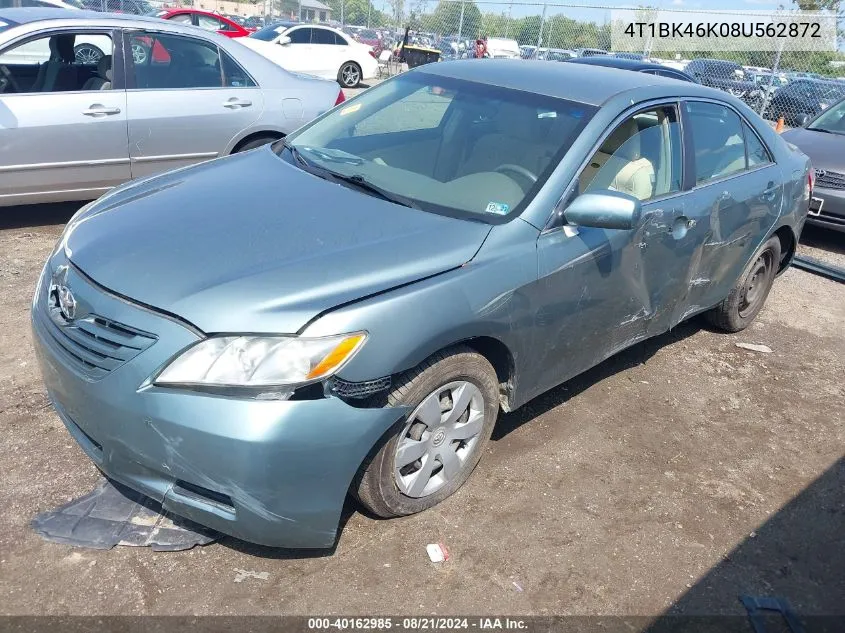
[(252, 243), (826, 151)]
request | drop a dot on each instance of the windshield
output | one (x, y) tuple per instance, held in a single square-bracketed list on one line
[(269, 33), (832, 120), (446, 145)]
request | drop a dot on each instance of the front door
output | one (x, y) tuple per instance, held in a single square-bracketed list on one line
[(182, 108), (62, 118), (602, 290)]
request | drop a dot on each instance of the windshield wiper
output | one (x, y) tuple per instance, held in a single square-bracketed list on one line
[(819, 129), (295, 153), (362, 183)]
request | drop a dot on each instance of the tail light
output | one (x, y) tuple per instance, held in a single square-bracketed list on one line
[(340, 97), (372, 53)]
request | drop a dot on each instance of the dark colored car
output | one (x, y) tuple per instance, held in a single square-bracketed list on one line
[(803, 99), (823, 140), (135, 7), (590, 52), (205, 20), (360, 333), (623, 63), (727, 76)]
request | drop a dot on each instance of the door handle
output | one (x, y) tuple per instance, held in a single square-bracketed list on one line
[(234, 102), (770, 192), (99, 110)]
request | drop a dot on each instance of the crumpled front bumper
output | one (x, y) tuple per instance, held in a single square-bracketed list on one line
[(269, 472)]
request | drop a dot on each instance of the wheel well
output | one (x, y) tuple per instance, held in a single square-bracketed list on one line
[(271, 136), (787, 246), (498, 354)]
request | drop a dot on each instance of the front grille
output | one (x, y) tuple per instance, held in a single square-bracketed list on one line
[(830, 179), (93, 345)]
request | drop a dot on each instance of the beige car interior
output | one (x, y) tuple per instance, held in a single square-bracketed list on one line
[(634, 159)]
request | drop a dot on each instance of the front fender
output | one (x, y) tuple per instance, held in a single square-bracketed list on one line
[(484, 297)]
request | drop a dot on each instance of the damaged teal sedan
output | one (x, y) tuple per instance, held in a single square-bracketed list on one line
[(446, 245)]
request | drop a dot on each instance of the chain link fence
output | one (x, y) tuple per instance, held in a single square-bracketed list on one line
[(788, 81)]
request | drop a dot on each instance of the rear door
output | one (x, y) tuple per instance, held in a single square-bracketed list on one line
[(62, 131), (186, 102), (737, 191)]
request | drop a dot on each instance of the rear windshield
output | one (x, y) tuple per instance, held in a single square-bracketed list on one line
[(446, 145)]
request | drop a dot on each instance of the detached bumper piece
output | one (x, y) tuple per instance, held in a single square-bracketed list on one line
[(817, 267), (113, 514)]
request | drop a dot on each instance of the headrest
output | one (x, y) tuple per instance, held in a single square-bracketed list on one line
[(624, 141), (61, 48), (104, 67)]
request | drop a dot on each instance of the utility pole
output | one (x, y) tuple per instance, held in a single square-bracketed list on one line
[(342, 5), (508, 23), (461, 24), (540, 36), (369, 8)]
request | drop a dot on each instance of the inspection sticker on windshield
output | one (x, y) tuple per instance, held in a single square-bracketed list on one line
[(350, 109), (499, 208)]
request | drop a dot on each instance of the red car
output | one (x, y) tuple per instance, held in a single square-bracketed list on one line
[(205, 20)]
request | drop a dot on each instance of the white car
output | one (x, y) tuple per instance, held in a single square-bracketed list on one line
[(315, 50), (502, 48)]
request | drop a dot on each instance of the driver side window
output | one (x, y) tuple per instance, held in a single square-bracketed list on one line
[(641, 157)]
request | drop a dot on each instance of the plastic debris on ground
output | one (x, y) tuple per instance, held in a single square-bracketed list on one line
[(437, 552), (764, 349), (113, 514)]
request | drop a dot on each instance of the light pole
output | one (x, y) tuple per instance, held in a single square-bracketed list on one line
[(461, 23)]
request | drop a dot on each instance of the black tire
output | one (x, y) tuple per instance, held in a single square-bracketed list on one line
[(375, 485), (749, 293), (349, 75), (254, 143)]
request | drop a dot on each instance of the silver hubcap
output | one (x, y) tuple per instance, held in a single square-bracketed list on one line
[(438, 439), (350, 75), (139, 54), (87, 56)]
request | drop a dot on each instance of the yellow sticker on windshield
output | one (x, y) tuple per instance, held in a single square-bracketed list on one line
[(350, 109)]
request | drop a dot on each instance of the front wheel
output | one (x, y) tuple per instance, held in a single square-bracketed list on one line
[(349, 75), (430, 453), (750, 291)]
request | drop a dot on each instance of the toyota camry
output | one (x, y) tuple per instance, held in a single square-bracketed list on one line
[(445, 246)]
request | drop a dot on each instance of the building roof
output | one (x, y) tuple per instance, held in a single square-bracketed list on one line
[(315, 4)]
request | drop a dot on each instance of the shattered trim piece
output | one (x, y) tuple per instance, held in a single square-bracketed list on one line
[(113, 514)]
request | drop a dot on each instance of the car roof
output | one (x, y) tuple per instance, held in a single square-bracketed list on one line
[(576, 82), (171, 10), (23, 17), (620, 62)]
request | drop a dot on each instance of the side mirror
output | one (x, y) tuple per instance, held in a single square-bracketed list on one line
[(284, 40), (604, 210), (802, 119)]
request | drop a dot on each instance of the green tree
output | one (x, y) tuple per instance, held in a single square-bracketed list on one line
[(446, 19)]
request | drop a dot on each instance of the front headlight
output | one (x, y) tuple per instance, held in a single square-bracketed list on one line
[(260, 361)]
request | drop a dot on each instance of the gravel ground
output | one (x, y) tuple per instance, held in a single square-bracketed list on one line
[(675, 476)]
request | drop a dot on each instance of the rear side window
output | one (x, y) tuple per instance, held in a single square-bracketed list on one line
[(233, 74), (323, 36), (718, 141), (757, 152), (182, 18)]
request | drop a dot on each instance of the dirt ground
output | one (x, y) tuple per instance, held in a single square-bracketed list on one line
[(672, 478)]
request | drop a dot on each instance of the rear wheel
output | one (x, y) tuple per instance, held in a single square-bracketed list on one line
[(349, 75), (87, 54), (749, 293), (430, 453)]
